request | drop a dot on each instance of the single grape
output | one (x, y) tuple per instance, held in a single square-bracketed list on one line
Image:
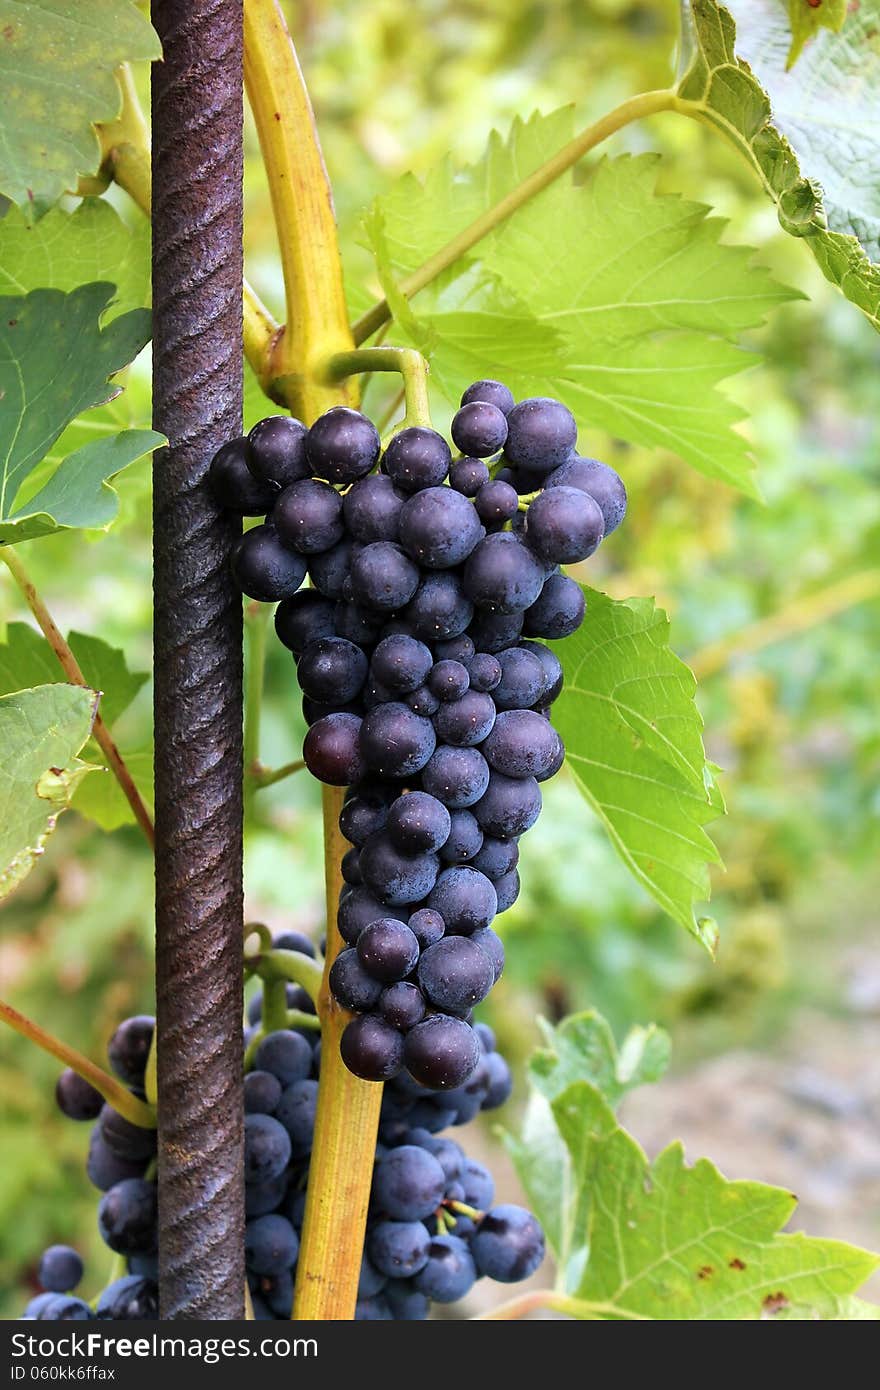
[(459, 648), (496, 502), (541, 434), (285, 1054), (464, 839), (495, 858), (371, 1280), (490, 942), (351, 868), (308, 516), (416, 458), (449, 1272), (127, 1216), (468, 475), (372, 1048), (494, 632), (264, 568), (129, 1299), (129, 1049), (266, 1148), (342, 445), (61, 1268), (332, 749), (523, 680), (332, 669), (423, 701), (502, 575), (356, 624), (270, 1244), (388, 950), (553, 674), (448, 680), (371, 509), (294, 941), (418, 823), (393, 876), (441, 1052), (296, 1111), (458, 777), (398, 1249), (521, 744), (439, 528), (455, 974), (600, 482), (495, 392), (303, 618), (478, 1184), (510, 806), (500, 1082), (383, 577), (440, 609), (402, 1005), (466, 722), (357, 909), (105, 1168), (313, 710), (465, 899), (352, 986), (405, 1302), (508, 1245), (77, 1098), (262, 1092), (558, 611), (563, 525), (277, 450), (408, 1184), (401, 663), (234, 485), (479, 429), (427, 926), (361, 816), (507, 889), (394, 741), (126, 1140), (330, 569)]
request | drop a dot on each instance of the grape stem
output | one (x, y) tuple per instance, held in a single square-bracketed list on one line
[(125, 158), (410, 364), (113, 1091), (276, 965), (73, 672), (634, 109), (267, 776), (559, 1303)]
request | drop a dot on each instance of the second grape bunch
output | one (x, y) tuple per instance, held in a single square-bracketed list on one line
[(420, 646)]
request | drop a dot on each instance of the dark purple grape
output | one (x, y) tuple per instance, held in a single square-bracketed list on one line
[(440, 609), (427, 926), (355, 624), (308, 516), (372, 509), (342, 445), (417, 458), (502, 575), (401, 663), (500, 1082), (454, 649), (466, 722), (77, 1098), (464, 839), (522, 681), (495, 392), (496, 502), (541, 434), (351, 868), (455, 974), (423, 701), (332, 669), (234, 485), (296, 1112), (330, 569), (373, 1050), (467, 476), (441, 1052), (522, 744), (396, 742), (495, 858), (510, 806), (493, 632), (465, 899), (105, 1169), (600, 482), (418, 823), (294, 941), (353, 987), (124, 1139), (490, 942), (388, 950), (484, 671), (361, 815), (439, 528), (61, 1268), (383, 577), (449, 1272), (266, 1148), (479, 429), (563, 525), (508, 1245), (408, 1184), (507, 890), (357, 909), (303, 618), (286, 1054), (395, 877), (558, 611), (277, 450), (264, 568), (127, 1217), (553, 674), (129, 1048), (456, 776), (448, 680), (270, 1244), (332, 750), (132, 1298), (402, 1005), (313, 710), (398, 1249), (262, 1092)]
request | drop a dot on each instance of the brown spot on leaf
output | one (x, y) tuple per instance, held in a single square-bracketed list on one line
[(13, 323), (774, 1303), (705, 1272), (737, 1264), (9, 32), (814, 4)]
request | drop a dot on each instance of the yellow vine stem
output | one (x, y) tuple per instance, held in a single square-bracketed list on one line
[(346, 1124), (113, 1091), (317, 319), (71, 668), (637, 107), (125, 157)]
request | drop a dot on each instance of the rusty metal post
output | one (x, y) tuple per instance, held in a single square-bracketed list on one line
[(197, 355)]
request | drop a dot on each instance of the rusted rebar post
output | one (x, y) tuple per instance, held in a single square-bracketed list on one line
[(197, 354)]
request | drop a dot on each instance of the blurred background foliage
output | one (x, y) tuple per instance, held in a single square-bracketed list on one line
[(791, 711)]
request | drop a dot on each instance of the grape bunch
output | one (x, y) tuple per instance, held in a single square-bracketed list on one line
[(433, 1227), (421, 651)]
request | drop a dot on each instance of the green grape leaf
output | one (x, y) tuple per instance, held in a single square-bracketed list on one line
[(812, 135), (100, 799), (78, 494), (55, 360), (667, 1241), (633, 740), (57, 62), (807, 17), (26, 659), (623, 302), (41, 732), (67, 249)]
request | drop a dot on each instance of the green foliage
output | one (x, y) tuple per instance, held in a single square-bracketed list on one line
[(67, 249), (41, 732), (633, 739), (55, 361), (807, 17), (619, 300), (662, 1240), (57, 61), (812, 140)]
